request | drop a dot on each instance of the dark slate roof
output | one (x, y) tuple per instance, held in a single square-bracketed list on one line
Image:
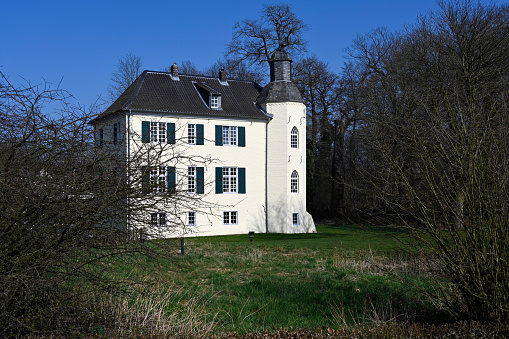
[(279, 91), (280, 54), (159, 92)]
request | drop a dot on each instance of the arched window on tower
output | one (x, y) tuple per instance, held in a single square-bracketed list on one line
[(294, 182), (294, 138)]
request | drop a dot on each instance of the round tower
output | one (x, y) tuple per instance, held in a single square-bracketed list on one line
[(286, 150)]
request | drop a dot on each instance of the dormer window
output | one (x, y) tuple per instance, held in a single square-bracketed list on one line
[(215, 101), (210, 96)]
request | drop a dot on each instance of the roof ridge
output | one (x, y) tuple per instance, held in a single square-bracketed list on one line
[(140, 80), (200, 76)]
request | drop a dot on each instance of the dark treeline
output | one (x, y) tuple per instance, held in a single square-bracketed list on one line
[(414, 132)]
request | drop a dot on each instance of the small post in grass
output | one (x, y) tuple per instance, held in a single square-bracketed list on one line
[(182, 246), (251, 235)]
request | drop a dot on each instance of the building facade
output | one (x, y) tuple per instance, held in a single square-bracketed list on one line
[(234, 152)]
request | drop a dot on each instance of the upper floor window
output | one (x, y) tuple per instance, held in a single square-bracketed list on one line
[(294, 138), (158, 179), (230, 135), (229, 179), (294, 182), (191, 179), (215, 101), (191, 134), (158, 131), (101, 137), (116, 133)]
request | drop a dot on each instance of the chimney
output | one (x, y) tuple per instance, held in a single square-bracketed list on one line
[(222, 75), (174, 71)]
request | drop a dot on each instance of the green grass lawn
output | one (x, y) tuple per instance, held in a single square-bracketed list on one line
[(338, 276)]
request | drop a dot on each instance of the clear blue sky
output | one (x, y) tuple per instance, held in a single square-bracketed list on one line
[(79, 42)]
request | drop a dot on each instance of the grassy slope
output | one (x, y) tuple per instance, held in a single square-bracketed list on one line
[(283, 281)]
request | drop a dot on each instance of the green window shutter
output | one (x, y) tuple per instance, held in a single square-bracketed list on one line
[(145, 131), (242, 136), (242, 180), (145, 179), (219, 135), (199, 134), (171, 133), (219, 180), (200, 180), (170, 179)]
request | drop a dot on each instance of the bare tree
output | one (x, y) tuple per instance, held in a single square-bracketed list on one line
[(127, 69), (437, 145), (237, 69), (255, 40), (69, 208)]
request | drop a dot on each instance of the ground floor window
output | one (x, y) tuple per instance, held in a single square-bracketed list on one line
[(191, 218), (158, 219), (295, 218), (230, 218)]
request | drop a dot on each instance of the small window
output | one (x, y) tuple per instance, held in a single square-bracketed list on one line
[(294, 182), (230, 218), (215, 101), (101, 137), (229, 179), (157, 131), (229, 135), (158, 219), (191, 179), (191, 134), (294, 138), (191, 218), (295, 219), (116, 133)]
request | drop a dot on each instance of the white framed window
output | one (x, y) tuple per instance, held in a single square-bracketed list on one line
[(230, 218), (294, 182), (295, 219), (158, 219), (294, 138), (157, 131), (215, 101), (230, 179), (191, 218), (191, 134), (158, 179), (191, 179), (230, 136)]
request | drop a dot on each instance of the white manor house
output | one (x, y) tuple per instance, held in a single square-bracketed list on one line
[(243, 147)]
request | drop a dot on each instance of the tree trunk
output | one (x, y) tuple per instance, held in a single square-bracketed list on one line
[(338, 169)]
